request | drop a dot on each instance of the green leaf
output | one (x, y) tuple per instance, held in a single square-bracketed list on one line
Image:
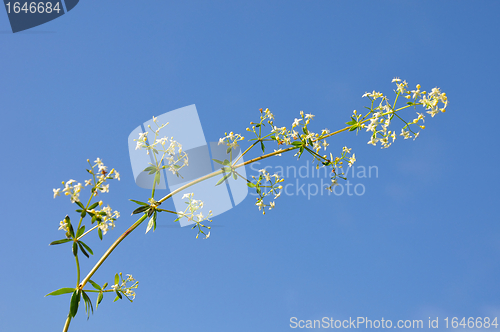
[(80, 204), (75, 302), (250, 184), (59, 242), (297, 143), (157, 177), (96, 286), (228, 150), (117, 279), (149, 168), (226, 162), (218, 161), (262, 146), (99, 299), (141, 209), (223, 178), (60, 291), (235, 176), (99, 231), (93, 206), (80, 231), (75, 249), (86, 247), (83, 214), (82, 249), (350, 122), (137, 202), (353, 128), (104, 286), (88, 304), (150, 225)]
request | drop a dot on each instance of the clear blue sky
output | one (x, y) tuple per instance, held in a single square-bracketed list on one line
[(423, 241)]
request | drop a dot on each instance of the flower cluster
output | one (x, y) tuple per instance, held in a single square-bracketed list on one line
[(105, 217), (380, 116), (337, 165), (172, 154), (266, 185), (121, 286), (193, 206), (71, 190), (231, 140)]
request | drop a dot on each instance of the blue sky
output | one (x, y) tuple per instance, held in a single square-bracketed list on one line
[(421, 242)]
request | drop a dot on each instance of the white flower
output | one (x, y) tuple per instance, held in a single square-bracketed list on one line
[(117, 175), (63, 225), (352, 159), (346, 149), (98, 161), (56, 192), (309, 116), (88, 182), (396, 79), (296, 123), (105, 188)]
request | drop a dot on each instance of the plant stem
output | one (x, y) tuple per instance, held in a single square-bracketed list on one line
[(77, 271), (110, 250), (66, 325)]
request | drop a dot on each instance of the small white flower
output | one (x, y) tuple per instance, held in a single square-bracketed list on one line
[(88, 182), (105, 188), (352, 159), (56, 192), (296, 123)]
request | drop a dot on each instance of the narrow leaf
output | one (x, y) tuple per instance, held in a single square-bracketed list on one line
[(86, 247), (223, 179), (99, 231), (80, 204), (137, 202), (150, 225), (93, 206), (117, 279), (141, 209), (82, 249), (75, 302), (80, 231), (59, 242), (157, 177), (75, 249), (96, 286), (61, 291), (88, 304), (218, 161), (99, 299), (262, 146)]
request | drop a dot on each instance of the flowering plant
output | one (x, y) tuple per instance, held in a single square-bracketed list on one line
[(168, 155)]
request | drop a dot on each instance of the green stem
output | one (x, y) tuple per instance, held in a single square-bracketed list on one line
[(77, 271), (110, 250), (66, 325)]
